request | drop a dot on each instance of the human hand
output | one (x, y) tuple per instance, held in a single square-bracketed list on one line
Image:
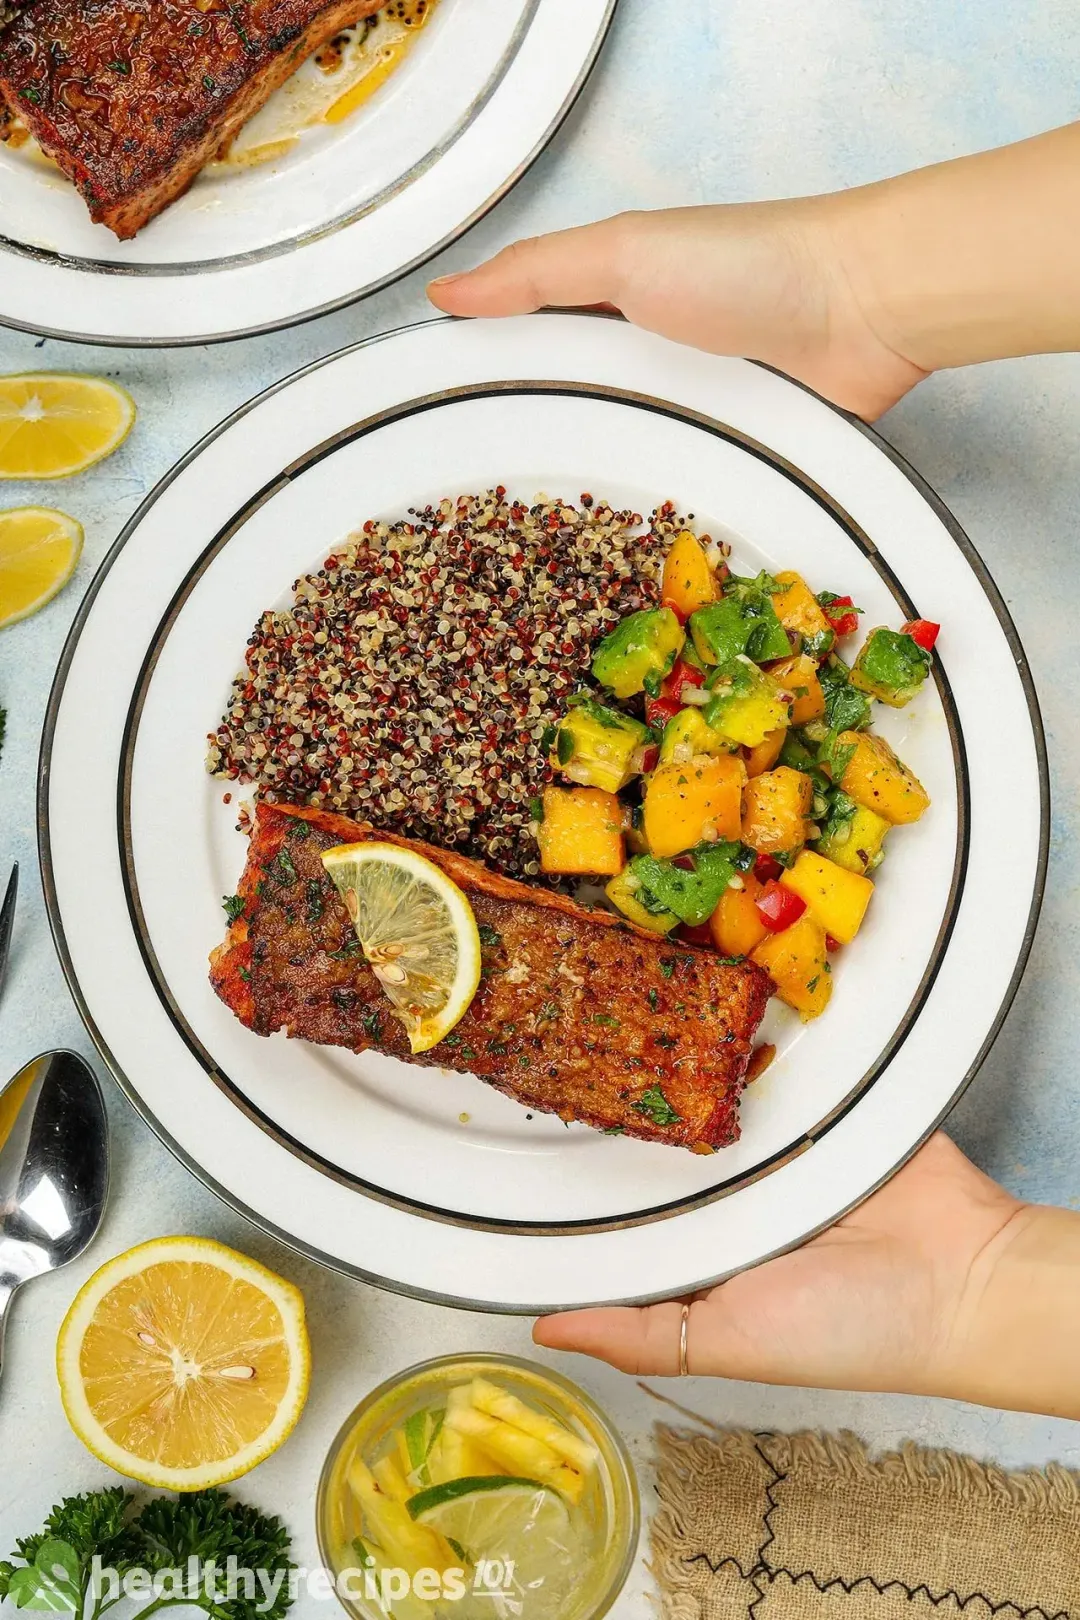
[(888, 1299), (769, 281)]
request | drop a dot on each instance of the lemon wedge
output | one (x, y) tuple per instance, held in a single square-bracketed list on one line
[(417, 932), (54, 424), (183, 1364), (39, 552)]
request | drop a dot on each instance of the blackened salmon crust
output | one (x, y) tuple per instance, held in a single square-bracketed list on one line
[(131, 98), (576, 1014)]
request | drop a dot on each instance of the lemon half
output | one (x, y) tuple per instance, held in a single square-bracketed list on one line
[(183, 1364), (54, 424), (417, 932), (39, 552)]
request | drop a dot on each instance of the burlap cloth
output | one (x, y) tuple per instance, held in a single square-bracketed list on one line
[(807, 1527)]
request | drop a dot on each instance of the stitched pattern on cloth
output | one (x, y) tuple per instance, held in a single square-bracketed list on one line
[(808, 1527)]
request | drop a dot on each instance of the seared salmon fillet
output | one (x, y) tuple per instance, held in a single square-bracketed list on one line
[(132, 97), (577, 1014)]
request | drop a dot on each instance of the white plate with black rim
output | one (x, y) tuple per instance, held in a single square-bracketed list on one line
[(429, 1182), (343, 210)]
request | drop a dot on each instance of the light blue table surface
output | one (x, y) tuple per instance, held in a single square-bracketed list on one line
[(725, 100)]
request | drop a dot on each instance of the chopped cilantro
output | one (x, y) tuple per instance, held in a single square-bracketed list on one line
[(606, 1018), (314, 900), (655, 1105), (32, 95), (282, 868), (654, 998), (233, 906), (667, 966), (488, 935)]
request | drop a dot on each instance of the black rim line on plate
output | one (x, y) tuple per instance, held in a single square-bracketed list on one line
[(58, 334), (303, 1151), (309, 1251), (275, 250)]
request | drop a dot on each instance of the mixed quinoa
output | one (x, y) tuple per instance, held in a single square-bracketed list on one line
[(415, 679)]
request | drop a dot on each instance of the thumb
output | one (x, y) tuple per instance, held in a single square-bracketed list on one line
[(636, 1340), (566, 269)]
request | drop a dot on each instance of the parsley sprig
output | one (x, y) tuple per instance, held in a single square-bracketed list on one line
[(53, 1569)]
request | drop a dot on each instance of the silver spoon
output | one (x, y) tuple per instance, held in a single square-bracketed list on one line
[(54, 1169)]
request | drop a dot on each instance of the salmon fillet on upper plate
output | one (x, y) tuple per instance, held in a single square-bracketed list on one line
[(131, 98), (577, 1014)]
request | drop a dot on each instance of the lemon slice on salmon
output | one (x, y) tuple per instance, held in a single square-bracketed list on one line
[(39, 552), (55, 424), (183, 1364), (417, 932)]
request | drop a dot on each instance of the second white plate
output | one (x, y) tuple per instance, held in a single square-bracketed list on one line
[(349, 209)]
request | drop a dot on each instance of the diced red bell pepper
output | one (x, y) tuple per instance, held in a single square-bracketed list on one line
[(831, 944), (843, 615), (767, 869), (924, 632), (683, 674), (778, 907), (694, 935), (649, 758), (659, 710)]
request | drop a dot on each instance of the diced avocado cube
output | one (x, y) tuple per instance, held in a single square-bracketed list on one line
[(693, 895), (689, 733), (639, 652), (720, 631), (595, 745), (846, 708), (746, 705), (853, 838), (723, 630), (768, 639), (891, 666), (626, 893)]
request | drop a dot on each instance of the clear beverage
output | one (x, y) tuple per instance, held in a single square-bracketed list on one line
[(478, 1488)]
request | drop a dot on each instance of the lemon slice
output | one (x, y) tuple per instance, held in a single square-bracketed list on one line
[(519, 1524), (183, 1364), (417, 931), (39, 552), (54, 424)]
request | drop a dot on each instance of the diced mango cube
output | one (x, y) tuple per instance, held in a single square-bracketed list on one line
[(582, 832), (688, 581), (797, 962), (765, 755), (834, 897), (736, 926), (874, 777), (799, 676), (797, 607), (775, 810), (688, 804)]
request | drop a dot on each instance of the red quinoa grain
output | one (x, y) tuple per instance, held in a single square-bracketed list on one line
[(412, 680)]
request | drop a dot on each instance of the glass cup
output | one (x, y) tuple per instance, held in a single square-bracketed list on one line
[(591, 1551)]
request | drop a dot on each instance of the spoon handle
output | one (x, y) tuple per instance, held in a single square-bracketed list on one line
[(7, 1293)]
